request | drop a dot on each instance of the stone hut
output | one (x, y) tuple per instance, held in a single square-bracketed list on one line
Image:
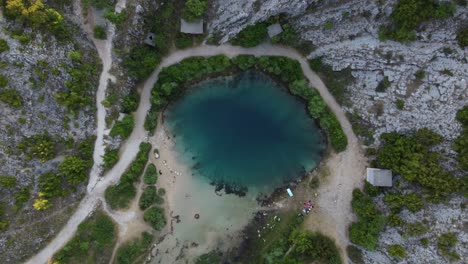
[(149, 40)]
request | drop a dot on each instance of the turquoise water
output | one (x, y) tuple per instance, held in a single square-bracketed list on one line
[(244, 130)]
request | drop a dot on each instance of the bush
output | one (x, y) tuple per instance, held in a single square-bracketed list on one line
[(4, 46), (3, 81), (141, 61), (424, 242), (394, 220), (123, 128), (400, 104), (383, 85), (328, 25), (397, 251), (445, 243), (40, 146), (148, 197), (151, 175), (193, 9), (251, 35), (111, 157), (74, 169), (130, 102), (11, 97), (244, 62), (316, 246), (117, 18), (183, 41), (420, 74), (462, 37), (314, 183), (371, 190), (411, 201), (129, 252), (288, 37), (50, 185), (119, 196), (155, 217), (99, 4), (92, 243), (7, 181), (21, 197), (416, 229), (100, 32), (460, 144), (355, 254)]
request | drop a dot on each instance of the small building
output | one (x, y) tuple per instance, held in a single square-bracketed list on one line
[(195, 27), (149, 40), (274, 30), (378, 177)]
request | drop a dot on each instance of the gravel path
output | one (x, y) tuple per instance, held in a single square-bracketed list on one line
[(346, 167)]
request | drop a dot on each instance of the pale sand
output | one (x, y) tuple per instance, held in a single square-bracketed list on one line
[(221, 217)]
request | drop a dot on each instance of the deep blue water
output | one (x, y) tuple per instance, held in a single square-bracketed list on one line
[(244, 130)]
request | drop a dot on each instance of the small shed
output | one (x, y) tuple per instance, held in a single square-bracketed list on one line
[(149, 40), (195, 27), (274, 30), (379, 177)]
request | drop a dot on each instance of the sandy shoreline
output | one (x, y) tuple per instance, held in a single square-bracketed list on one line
[(221, 218)]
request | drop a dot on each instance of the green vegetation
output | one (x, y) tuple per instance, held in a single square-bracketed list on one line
[(128, 253), (21, 197), (288, 37), (172, 83), (424, 242), (328, 25), (99, 4), (194, 9), (141, 61), (314, 246), (411, 157), (383, 85), (11, 97), (460, 144), (117, 18), (123, 128), (50, 185), (183, 41), (4, 46), (411, 201), (420, 74), (336, 81), (100, 32), (111, 157), (445, 243), (75, 169), (151, 175), (40, 146), (416, 229), (462, 37), (93, 242), (119, 196), (211, 257), (251, 35), (130, 102), (81, 85), (155, 217), (7, 181), (409, 14), (3, 222), (3, 81), (150, 197), (365, 232), (397, 251), (37, 15), (400, 104), (394, 220), (355, 254)]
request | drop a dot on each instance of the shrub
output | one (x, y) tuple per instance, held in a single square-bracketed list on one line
[(50, 184), (151, 175), (424, 242), (244, 62), (40, 146), (111, 157), (193, 9), (7, 181), (315, 246), (420, 74), (383, 85), (328, 25), (148, 197), (462, 37), (400, 104), (416, 229), (123, 128), (119, 196), (397, 251), (3, 81), (74, 169), (129, 252), (411, 201), (155, 217), (130, 102), (314, 183), (251, 35), (99, 4), (21, 197), (141, 61), (371, 190), (100, 32), (11, 97), (355, 254), (460, 144), (117, 18), (92, 243), (394, 220), (445, 243), (4, 46)]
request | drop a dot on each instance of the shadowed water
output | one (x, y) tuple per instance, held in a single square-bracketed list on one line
[(244, 130)]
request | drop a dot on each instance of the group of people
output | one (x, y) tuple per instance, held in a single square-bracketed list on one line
[(308, 207)]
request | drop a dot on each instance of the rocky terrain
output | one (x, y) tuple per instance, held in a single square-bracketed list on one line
[(38, 66)]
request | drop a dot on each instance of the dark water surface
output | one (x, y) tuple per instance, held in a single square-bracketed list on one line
[(244, 130)]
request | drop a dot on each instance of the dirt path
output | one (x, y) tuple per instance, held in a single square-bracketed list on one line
[(347, 167)]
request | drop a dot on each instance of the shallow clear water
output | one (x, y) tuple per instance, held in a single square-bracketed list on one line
[(244, 130)]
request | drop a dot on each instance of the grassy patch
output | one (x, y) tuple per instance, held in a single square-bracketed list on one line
[(93, 242), (130, 252)]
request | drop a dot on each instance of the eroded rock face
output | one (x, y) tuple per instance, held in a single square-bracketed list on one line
[(353, 42)]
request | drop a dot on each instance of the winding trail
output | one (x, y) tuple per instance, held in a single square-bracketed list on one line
[(345, 172)]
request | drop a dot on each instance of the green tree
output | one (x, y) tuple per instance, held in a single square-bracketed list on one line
[(251, 35), (155, 217), (50, 184), (74, 169), (4, 46), (11, 97), (111, 157), (151, 175), (7, 181), (194, 9)]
